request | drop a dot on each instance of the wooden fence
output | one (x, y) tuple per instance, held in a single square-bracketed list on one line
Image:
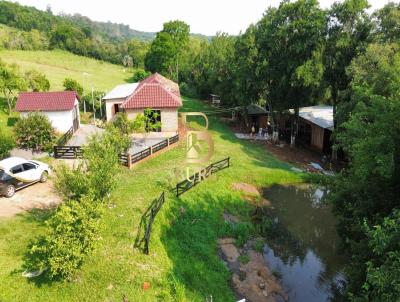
[(129, 159), (146, 222), (66, 137), (126, 159), (67, 152), (194, 179)]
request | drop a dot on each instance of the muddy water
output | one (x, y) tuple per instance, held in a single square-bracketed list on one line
[(302, 244)]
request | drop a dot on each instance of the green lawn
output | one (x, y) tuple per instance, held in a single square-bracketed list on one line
[(57, 65), (183, 264)]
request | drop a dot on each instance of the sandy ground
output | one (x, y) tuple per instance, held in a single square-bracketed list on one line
[(39, 195)]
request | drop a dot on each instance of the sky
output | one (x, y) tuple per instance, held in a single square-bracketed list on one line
[(204, 16)]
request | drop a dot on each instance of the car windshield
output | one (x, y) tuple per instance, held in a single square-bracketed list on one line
[(2, 174)]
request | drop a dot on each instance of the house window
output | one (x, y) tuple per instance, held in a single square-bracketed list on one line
[(153, 118)]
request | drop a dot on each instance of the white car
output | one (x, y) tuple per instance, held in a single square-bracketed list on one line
[(17, 173)]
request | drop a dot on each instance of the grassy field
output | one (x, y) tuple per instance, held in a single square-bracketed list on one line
[(183, 264), (57, 65)]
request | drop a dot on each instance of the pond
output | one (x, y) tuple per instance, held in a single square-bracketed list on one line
[(302, 244)]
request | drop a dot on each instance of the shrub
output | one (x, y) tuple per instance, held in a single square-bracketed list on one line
[(72, 234), (140, 75), (122, 123), (7, 143), (34, 132)]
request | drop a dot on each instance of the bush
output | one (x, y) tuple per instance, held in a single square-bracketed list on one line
[(140, 75), (7, 143), (72, 234), (34, 132), (122, 123)]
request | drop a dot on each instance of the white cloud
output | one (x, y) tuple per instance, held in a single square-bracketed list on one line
[(203, 16)]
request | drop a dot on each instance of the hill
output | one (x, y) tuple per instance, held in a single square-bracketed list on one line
[(58, 64), (78, 34)]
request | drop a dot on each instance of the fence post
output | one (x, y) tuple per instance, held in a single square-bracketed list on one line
[(129, 159), (167, 142), (151, 150), (55, 151)]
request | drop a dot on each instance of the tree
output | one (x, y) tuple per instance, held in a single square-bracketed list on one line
[(365, 195), (10, 83), (246, 82), (290, 41), (167, 49), (137, 50), (73, 85), (140, 75), (34, 132), (348, 28), (99, 165), (383, 271), (127, 61), (387, 21), (37, 81)]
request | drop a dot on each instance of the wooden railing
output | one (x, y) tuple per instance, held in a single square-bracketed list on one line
[(128, 159), (146, 222), (66, 137), (204, 173)]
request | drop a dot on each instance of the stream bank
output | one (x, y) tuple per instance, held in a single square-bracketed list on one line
[(296, 258)]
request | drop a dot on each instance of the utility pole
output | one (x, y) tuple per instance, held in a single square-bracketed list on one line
[(94, 110)]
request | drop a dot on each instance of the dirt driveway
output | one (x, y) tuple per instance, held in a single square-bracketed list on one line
[(40, 195)]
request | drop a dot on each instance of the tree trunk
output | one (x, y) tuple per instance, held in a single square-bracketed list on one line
[(275, 128), (9, 104), (294, 128)]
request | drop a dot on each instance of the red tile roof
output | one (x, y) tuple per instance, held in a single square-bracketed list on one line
[(46, 101), (155, 91)]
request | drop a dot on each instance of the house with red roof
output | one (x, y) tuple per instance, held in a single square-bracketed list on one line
[(61, 108), (156, 92)]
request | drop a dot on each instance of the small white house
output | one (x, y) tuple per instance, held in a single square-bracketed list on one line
[(61, 108), (114, 99)]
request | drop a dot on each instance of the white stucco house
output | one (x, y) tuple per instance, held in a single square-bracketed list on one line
[(114, 99), (156, 92), (61, 108)]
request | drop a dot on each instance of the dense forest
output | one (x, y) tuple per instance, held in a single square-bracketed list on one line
[(297, 55)]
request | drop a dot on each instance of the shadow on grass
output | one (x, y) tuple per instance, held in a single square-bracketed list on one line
[(31, 259), (191, 244)]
